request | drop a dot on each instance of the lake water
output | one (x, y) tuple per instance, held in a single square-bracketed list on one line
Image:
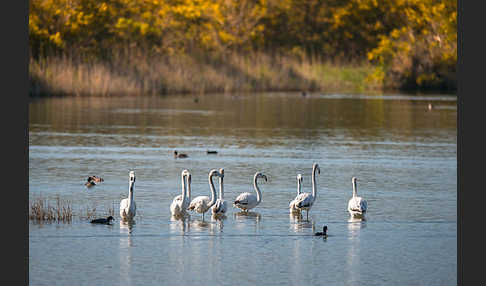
[(403, 154)]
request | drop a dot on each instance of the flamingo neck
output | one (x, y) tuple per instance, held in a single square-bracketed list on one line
[(183, 190), (221, 188), (213, 192), (314, 188), (130, 194), (188, 194), (355, 189), (257, 190)]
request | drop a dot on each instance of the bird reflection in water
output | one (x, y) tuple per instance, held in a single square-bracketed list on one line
[(355, 224), (299, 224), (244, 216), (218, 221), (180, 224), (200, 224), (127, 225)]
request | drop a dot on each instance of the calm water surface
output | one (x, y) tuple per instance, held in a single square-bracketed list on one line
[(403, 155)]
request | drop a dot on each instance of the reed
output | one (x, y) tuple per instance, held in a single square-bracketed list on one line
[(59, 210), (42, 210), (139, 72)]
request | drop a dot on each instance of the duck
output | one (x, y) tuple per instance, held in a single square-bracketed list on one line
[(103, 220), (178, 155), (323, 233), (93, 181)]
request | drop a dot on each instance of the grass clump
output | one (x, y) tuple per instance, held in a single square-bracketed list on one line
[(43, 210)]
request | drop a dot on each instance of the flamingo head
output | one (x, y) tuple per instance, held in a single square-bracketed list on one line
[(260, 175), (300, 178)]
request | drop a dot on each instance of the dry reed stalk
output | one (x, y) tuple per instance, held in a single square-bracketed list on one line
[(142, 73)]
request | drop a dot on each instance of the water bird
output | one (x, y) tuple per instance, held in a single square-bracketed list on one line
[(211, 152), (323, 233), (220, 207), (304, 201), (179, 155), (202, 204), (430, 106), (246, 201), (103, 220), (128, 208), (293, 204), (357, 206), (181, 202), (93, 181)]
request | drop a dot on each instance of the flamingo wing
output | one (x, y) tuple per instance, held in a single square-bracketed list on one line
[(304, 200)]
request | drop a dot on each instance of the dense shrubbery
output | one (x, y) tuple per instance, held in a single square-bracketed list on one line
[(411, 43)]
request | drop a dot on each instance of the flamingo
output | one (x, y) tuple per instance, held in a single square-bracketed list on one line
[(181, 202), (293, 204), (304, 201), (202, 204), (357, 206), (128, 208), (220, 206), (246, 201)]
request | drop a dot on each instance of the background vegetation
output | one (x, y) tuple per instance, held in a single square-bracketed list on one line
[(163, 46)]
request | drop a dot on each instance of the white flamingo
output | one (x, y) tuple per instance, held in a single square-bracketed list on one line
[(246, 201), (357, 206), (304, 201), (181, 202), (220, 206), (128, 208), (293, 204), (201, 204)]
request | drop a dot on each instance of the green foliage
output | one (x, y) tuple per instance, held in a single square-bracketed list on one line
[(412, 43)]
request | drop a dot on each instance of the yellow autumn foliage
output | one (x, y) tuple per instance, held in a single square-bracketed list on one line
[(409, 41)]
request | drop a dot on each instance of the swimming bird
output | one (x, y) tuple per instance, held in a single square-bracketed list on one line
[(179, 155), (181, 202), (246, 201), (128, 207), (93, 181), (293, 204), (220, 206), (323, 233), (357, 206), (304, 201), (202, 204), (103, 220)]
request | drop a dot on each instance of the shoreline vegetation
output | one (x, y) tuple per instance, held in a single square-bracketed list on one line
[(119, 47), (56, 209), (139, 74)]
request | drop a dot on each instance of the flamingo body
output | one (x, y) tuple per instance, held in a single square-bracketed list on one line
[(247, 201), (357, 206)]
